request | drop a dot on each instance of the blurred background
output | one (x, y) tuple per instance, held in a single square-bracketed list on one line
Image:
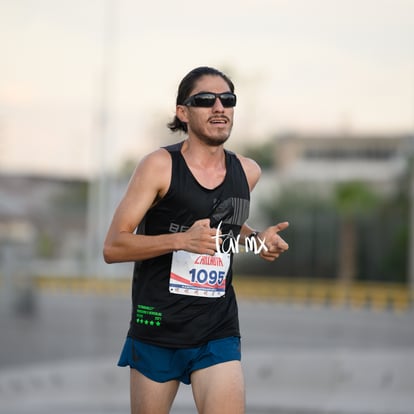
[(326, 107)]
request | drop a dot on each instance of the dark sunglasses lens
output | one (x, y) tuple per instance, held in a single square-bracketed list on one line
[(207, 100), (228, 100), (204, 100)]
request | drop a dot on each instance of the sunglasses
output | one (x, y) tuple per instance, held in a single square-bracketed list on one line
[(208, 99)]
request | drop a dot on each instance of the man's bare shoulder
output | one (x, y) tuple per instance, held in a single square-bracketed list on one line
[(251, 169), (156, 158), (154, 170), (154, 162)]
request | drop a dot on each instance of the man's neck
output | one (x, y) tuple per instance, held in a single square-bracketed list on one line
[(200, 154)]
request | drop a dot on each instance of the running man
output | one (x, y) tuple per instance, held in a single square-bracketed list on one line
[(185, 207)]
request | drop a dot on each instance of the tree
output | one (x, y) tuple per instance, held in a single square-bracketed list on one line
[(352, 200)]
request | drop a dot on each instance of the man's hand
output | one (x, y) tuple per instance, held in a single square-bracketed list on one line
[(200, 238), (274, 243)]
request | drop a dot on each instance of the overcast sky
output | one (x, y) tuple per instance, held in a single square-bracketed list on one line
[(306, 65)]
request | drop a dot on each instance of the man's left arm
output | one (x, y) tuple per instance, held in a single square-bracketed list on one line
[(275, 245), (269, 237)]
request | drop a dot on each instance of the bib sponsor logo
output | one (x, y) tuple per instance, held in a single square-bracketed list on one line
[(209, 261)]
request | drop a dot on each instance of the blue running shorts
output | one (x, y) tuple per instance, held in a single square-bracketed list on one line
[(163, 364)]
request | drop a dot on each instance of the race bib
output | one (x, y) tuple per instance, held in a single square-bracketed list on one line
[(198, 274)]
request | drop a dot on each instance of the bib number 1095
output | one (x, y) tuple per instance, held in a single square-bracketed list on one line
[(211, 277)]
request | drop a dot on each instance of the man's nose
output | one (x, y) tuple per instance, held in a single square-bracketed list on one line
[(218, 106)]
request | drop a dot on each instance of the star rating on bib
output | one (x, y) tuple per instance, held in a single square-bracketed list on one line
[(148, 323)]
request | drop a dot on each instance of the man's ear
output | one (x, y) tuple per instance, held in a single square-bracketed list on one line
[(181, 113)]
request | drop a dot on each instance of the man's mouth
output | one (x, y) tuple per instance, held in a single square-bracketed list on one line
[(218, 121)]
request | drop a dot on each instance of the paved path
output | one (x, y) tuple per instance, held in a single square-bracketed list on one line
[(61, 358)]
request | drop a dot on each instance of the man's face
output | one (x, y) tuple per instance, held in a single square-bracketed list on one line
[(210, 125)]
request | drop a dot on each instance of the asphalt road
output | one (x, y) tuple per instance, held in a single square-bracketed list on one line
[(60, 332), (66, 326)]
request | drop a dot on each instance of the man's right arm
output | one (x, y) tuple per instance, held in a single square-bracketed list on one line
[(149, 183)]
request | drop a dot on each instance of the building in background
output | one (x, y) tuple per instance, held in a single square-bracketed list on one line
[(348, 200), (379, 160), (45, 218)]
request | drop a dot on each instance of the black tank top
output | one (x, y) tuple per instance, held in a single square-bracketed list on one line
[(174, 320)]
